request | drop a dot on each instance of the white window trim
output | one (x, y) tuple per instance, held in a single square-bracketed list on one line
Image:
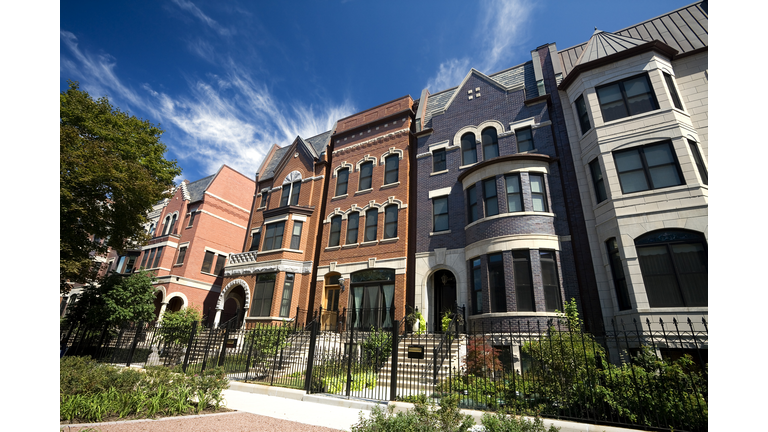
[(440, 192)]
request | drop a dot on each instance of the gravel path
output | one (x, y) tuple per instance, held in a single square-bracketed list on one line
[(236, 421)]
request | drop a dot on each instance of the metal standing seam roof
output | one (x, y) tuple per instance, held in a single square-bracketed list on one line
[(685, 29), (603, 44)]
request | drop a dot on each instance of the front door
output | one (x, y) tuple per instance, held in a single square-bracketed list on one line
[(444, 284)]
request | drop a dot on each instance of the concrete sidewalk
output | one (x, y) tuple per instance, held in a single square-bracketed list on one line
[(340, 413), (296, 405)]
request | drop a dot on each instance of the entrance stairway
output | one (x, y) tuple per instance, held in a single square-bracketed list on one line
[(415, 376)]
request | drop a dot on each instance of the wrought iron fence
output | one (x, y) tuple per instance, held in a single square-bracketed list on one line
[(649, 375)]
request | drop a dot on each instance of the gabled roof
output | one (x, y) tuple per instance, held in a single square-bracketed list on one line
[(603, 44), (514, 78), (313, 146), (197, 188)]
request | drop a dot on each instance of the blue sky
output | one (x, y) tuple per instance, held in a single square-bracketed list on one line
[(226, 80)]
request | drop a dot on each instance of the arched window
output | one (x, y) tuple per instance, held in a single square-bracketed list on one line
[(353, 223), (468, 149), (341, 181), (674, 267), (366, 175), (490, 143), (391, 167), (173, 225), (335, 231), (371, 223), (390, 222)]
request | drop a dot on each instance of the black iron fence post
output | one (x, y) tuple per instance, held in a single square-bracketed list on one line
[(349, 358), (311, 356), (101, 340), (393, 372), (207, 348), (189, 346), (117, 344), (137, 330), (250, 351)]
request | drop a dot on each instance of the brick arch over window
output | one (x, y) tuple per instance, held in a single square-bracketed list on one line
[(161, 290), (234, 283), (391, 151), (365, 159)]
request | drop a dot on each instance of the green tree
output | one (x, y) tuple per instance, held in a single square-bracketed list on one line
[(112, 171), (115, 299)]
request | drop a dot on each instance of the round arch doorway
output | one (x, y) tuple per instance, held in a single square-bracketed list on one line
[(444, 285)]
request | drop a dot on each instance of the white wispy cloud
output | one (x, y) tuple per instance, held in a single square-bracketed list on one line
[(230, 118), (205, 19), (501, 28)]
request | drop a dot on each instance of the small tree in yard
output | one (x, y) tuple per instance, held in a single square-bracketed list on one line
[(482, 359), (114, 300), (175, 328)]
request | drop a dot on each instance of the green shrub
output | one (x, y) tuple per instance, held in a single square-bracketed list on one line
[(500, 422), (90, 391), (422, 418), (377, 347)]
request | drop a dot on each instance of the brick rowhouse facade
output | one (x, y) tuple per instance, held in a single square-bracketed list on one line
[(476, 262), (371, 150), (198, 227), (273, 274)]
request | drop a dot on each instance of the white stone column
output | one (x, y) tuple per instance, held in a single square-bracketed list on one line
[(162, 310), (217, 317)]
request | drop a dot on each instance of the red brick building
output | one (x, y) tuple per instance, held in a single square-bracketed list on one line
[(271, 278), (364, 244), (197, 229)]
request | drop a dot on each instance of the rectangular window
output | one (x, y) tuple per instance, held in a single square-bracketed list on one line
[(675, 274), (255, 240), (371, 223), (438, 161), (496, 283), (220, 260), (652, 166), (290, 194), (490, 198), (477, 288), (296, 236), (182, 252), (524, 140), (550, 281), (366, 174), (157, 257), (581, 111), (627, 97), (131, 263), (390, 222), (207, 262), (538, 193), (192, 217), (440, 214), (335, 235), (262, 294), (597, 181), (521, 266), (285, 303), (699, 161), (274, 237), (472, 204), (391, 166), (151, 257), (514, 197), (353, 223), (264, 199), (341, 181), (673, 91), (144, 260), (617, 269)]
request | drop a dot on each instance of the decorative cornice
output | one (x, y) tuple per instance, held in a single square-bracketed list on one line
[(271, 266), (377, 140)]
